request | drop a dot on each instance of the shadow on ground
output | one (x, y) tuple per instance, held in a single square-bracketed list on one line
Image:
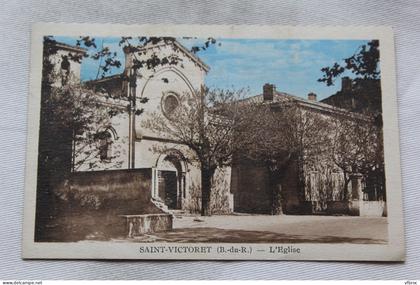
[(215, 235)]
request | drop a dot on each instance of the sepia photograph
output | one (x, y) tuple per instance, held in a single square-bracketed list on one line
[(211, 143)]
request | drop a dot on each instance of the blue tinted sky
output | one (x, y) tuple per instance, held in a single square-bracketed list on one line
[(292, 65)]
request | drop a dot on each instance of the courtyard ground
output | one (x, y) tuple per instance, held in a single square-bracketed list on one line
[(270, 229)]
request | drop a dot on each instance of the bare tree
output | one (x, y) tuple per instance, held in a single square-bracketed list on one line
[(205, 122)]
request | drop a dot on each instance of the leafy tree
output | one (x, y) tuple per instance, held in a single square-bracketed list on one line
[(365, 93), (364, 64)]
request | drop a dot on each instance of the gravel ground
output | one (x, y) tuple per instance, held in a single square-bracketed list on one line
[(285, 229)]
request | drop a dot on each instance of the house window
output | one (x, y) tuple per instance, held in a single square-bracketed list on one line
[(105, 145), (65, 69), (65, 63)]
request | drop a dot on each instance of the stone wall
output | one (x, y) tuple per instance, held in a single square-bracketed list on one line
[(250, 187), (357, 208), (90, 205)]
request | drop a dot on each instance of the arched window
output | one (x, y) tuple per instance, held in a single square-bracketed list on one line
[(65, 69), (65, 63), (105, 145)]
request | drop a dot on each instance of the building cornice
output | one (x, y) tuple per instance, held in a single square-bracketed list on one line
[(64, 46), (183, 49)]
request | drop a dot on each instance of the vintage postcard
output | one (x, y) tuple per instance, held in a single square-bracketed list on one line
[(213, 142)]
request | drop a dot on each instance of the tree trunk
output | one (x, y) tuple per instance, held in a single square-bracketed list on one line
[(206, 184), (346, 188), (275, 189), (277, 206), (300, 179)]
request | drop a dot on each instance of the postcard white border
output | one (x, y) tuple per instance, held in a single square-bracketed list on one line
[(393, 251)]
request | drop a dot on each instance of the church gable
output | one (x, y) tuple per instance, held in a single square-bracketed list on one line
[(171, 51), (167, 85)]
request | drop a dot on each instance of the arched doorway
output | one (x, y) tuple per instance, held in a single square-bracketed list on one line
[(171, 180)]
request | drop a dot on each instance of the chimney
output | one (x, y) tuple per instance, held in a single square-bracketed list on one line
[(346, 84), (312, 96), (268, 91)]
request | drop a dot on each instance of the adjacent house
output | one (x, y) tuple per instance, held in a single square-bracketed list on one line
[(315, 182)]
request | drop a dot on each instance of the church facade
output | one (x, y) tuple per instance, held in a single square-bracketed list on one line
[(128, 144)]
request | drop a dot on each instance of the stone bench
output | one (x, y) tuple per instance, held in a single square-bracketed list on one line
[(148, 223)]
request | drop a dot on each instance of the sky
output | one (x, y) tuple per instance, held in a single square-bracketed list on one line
[(292, 65)]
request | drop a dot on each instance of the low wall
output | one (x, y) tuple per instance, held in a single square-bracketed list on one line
[(140, 224), (357, 208), (372, 208), (338, 208), (89, 205)]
